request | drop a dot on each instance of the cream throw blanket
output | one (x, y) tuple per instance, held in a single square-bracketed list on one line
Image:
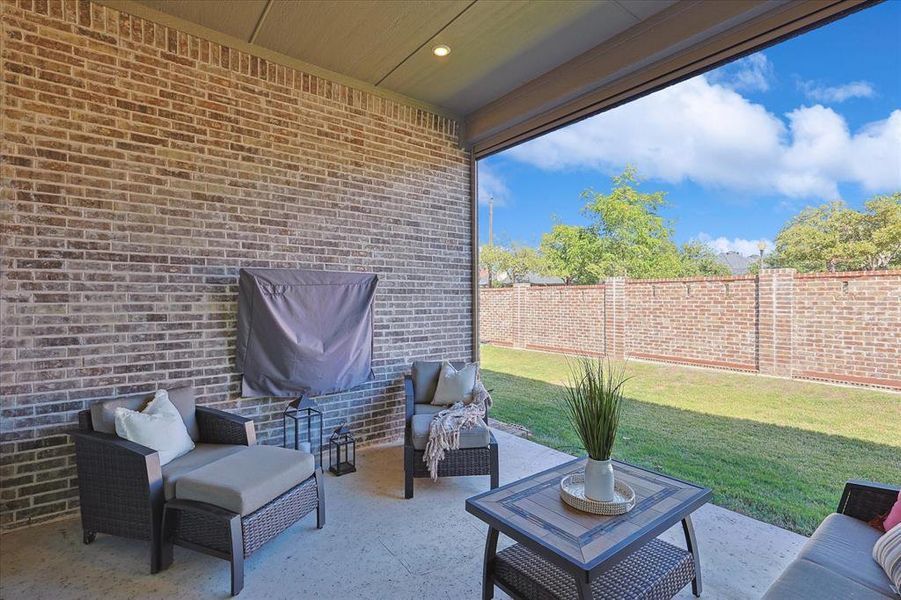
[(444, 430)]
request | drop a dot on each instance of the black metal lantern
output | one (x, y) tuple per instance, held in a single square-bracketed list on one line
[(342, 451), (303, 409)]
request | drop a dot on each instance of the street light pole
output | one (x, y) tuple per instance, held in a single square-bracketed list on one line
[(761, 246), (490, 220)]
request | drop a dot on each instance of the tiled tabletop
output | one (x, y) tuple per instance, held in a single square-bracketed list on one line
[(531, 511)]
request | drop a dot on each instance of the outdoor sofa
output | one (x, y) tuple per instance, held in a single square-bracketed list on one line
[(226, 497), (836, 563)]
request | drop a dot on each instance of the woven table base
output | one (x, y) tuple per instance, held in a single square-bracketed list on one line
[(656, 571)]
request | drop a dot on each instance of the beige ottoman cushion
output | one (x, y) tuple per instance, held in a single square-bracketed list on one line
[(201, 455), (245, 481), (477, 436)]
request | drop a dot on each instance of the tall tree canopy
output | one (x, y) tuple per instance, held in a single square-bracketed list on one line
[(522, 260), (635, 241), (699, 260), (835, 237), (517, 262), (570, 252), (492, 258)]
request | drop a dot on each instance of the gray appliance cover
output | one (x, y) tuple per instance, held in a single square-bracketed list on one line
[(304, 332)]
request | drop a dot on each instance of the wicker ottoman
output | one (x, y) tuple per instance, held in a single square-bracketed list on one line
[(231, 507), (657, 571)]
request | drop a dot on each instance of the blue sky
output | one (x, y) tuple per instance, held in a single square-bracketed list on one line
[(738, 150)]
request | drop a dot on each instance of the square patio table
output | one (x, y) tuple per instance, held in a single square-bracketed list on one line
[(578, 552)]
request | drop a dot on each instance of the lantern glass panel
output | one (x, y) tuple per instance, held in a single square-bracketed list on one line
[(342, 451)]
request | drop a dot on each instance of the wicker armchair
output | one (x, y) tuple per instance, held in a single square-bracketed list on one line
[(456, 463), (120, 483), (866, 500)]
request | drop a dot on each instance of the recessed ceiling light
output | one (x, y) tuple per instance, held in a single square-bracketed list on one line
[(441, 50)]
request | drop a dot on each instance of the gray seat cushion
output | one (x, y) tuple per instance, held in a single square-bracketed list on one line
[(471, 437), (844, 545), (427, 409), (103, 414), (806, 580), (201, 455), (244, 481), (425, 380)]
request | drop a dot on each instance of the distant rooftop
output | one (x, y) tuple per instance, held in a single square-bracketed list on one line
[(738, 264)]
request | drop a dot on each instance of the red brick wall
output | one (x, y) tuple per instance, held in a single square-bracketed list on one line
[(554, 318), (697, 320), (847, 326), (564, 317), (842, 327), (497, 319), (141, 168)]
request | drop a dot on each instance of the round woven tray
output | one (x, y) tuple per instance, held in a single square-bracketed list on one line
[(572, 491)]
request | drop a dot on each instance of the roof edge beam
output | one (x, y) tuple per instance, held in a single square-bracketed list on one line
[(680, 42)]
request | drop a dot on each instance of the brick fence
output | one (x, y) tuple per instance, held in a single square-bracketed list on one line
[(839, 327), (141, 168)]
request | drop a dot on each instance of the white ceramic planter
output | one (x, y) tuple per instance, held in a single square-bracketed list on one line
[(599, 480)]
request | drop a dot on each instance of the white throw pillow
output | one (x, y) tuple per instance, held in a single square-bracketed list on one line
[(455, 386), (887, 552), (159, 427)]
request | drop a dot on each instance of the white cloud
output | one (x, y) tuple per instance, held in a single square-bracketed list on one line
[(838, 93), (492, 185), (742, 246), (706, 132), (753, 73)]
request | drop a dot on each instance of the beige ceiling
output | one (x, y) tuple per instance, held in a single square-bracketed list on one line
[(517, 68), (496, 45)]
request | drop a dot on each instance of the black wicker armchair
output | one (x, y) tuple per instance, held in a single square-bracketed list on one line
[(481, 460), (866, 500), (121, 483)]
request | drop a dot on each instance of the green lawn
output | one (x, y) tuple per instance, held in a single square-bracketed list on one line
[(777, 450)]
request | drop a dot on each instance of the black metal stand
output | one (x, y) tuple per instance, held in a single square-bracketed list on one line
[(303, 409)]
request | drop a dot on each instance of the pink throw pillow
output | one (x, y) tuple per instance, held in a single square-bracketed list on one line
[(894, 515)]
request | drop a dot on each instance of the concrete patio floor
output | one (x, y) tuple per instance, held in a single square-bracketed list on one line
[(375, 545)]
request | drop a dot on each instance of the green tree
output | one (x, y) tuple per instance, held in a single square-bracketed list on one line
[(569, 252), (699, 259), (635, 241), (492, 258), (522, 260), (835, 237)]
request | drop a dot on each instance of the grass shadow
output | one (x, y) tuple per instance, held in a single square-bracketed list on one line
[(783, 475)]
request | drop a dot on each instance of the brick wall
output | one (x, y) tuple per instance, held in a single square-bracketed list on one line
[(141, 168), (496, 315), (840, 327), (848, 326), (696, 320), (554, 318)]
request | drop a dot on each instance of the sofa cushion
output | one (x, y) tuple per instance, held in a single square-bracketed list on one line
[(844, 545), (425, 379), (806, 580), (427, 409), (183, 399), (455, 385), (159, 426), (201, 455), (103, 414), (244, 481), (887, 554), (477, 436)]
